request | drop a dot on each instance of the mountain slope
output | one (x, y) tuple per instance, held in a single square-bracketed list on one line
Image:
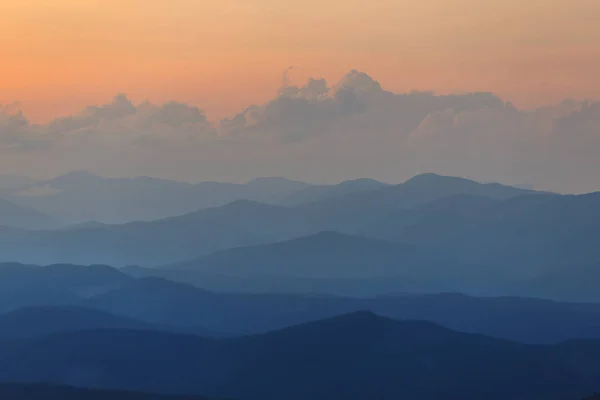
[(12, 215), (61, 284), (540, 245), (323, 255), (159, 301), (520, 319), (354, 356), (350, 213), (183, 307), (158, 242), (241, 223), (44, 320), (423, 189), (81, 196), (315, 193)]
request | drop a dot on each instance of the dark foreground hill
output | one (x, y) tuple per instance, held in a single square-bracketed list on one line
[(354, 356), (52, 392)]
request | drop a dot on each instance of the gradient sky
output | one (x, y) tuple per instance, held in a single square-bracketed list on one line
[(60, 55)]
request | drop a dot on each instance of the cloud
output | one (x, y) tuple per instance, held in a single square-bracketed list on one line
[(16, 134), (130, 121), (94, 116), (553, 147), (320, 131)]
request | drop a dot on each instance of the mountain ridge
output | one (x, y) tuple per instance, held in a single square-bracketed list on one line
[(349, 356)]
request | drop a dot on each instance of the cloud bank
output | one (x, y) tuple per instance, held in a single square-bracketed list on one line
[(319, 132)]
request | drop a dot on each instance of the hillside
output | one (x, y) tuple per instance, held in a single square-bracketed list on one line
[(240, 223), (323, 255), (45, 320), (354, 356), (15, 216), (54, 298)]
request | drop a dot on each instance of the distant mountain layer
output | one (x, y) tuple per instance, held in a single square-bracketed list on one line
[(44, 320), (15, 216), (323, 255), (24, 391), (81, 196), (353, 356), (41, 300), (316, 193), (239, 223), (450, 234)]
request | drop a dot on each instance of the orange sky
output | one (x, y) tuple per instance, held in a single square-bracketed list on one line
[(57, 56)]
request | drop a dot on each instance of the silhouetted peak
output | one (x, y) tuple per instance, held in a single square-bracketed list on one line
[(94, 268), (365, 324), (460, 202), (368, 322), (91, 273), (269, 179), (76, 177), (328, 237), (362, 183), (163, 286), (92, 224), (435, 179), (243, 205), (333, 241), (360, 316), (275, 182)]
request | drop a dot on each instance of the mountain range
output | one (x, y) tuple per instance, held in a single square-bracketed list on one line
[(61, 298), (353, 356), (81, 196), (239, 223), (38, 321), (17, 216), (429, 234)]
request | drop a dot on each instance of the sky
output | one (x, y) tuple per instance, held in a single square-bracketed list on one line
[(61, 55), (321, 91)]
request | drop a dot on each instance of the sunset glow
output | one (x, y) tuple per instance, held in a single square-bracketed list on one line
[(58, 56)]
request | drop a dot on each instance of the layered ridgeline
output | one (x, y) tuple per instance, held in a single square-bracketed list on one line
[(431, 233), (80, 196), (353, 356), (17, 216), (241, 222), (43, 300)]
